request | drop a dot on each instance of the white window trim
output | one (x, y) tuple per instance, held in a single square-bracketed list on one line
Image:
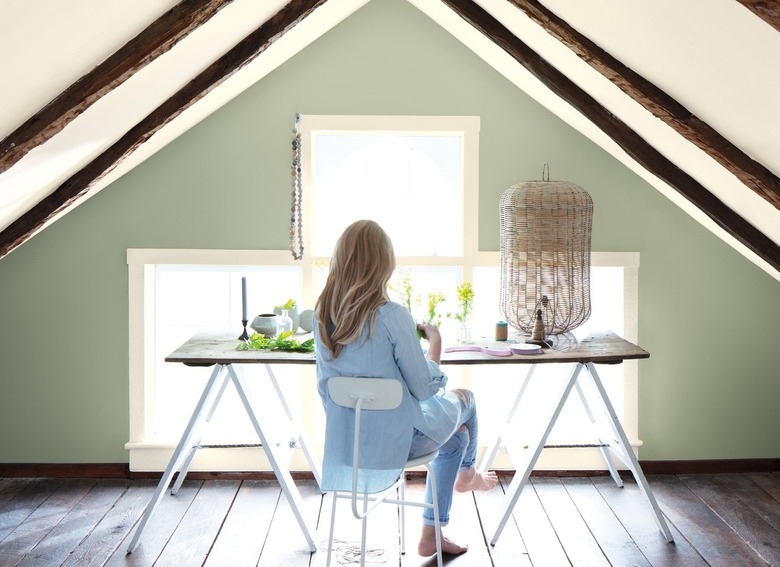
[(148, 454), (468, 126)]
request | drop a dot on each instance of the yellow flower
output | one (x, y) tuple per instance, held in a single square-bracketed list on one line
[(465, 293)]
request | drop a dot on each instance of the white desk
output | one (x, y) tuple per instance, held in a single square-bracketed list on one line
[(219, 350)]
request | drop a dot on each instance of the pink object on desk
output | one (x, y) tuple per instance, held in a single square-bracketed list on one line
[(525, 348), (487, 350)]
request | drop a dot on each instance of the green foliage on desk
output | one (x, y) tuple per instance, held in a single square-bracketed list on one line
[(282, 342)]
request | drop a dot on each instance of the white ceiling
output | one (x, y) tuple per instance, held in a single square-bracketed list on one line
[(718, 59)]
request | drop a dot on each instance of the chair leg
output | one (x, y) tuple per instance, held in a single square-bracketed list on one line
[(402, 497), (332, 527), (436, 523), (363, 534)]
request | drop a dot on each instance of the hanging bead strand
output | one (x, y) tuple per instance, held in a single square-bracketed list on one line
[(296, 208)]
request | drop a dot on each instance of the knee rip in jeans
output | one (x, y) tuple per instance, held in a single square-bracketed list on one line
[(466, 397)]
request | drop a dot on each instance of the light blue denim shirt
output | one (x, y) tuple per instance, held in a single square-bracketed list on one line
[(393, 352)]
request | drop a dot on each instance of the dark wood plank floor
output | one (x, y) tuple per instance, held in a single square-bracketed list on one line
[(727, 519)]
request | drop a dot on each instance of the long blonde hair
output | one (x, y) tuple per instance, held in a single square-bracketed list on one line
[(362, 264)]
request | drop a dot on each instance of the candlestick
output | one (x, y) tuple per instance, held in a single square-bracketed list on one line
[(244, 336)]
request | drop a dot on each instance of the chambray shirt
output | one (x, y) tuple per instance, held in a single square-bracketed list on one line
[(392, 352)]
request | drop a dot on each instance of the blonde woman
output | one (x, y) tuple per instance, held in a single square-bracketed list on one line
[(360, 332)]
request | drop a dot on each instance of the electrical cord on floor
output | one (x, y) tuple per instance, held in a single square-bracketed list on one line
[(348, 553)]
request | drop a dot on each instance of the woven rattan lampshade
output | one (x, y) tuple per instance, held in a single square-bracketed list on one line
[(545, 231)]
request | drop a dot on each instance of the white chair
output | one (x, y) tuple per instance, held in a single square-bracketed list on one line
[(374, 394)]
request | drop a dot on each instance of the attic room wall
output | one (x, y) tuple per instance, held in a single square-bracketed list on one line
[(709, 318)]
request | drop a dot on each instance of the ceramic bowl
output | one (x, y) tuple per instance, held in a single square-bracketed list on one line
[(265, 324)]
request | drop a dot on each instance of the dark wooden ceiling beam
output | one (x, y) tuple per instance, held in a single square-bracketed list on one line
[(633, 144), (155, 40), (767, 10), (79, 184), (750, 172)]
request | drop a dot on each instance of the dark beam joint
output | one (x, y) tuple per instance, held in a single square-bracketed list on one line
[(633, 144)]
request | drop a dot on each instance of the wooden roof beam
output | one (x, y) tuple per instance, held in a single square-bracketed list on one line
[(79, 184), (751, 173), (633, 144), (155, 40), (767, 10)]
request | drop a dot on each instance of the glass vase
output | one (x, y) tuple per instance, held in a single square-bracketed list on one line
[(464, 333), (284, 323)]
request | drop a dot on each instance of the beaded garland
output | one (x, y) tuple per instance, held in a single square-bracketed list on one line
[(296, 209)]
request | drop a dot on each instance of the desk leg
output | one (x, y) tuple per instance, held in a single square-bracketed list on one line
[(490, 454), (521, 476), (194, 444), (300, 436), (184, 443), (604, 453), (623, 449), (280, 469)]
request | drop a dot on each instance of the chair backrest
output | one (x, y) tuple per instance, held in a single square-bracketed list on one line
[(375, 393), (364, 394)]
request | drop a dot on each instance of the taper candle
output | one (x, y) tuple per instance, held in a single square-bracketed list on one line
[(243, 298)]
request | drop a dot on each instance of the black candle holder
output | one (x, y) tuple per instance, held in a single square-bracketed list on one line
[(244, 336)]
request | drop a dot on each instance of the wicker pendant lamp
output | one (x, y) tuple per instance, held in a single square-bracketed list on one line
[(545, 231)]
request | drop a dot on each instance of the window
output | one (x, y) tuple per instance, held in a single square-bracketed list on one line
[(423, 173)]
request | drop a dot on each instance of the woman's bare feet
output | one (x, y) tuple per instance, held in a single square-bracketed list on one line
[(427, 545), (471, 479)]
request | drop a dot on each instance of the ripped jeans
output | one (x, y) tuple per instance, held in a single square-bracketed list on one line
[(459, 453)]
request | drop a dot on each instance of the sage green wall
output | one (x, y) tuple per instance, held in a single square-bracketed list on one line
[(709, 318)]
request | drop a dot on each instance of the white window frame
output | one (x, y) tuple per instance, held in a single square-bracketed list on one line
[(150, 454), (467, 126)]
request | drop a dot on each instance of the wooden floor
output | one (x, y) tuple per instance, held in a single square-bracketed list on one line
[(730, 520)]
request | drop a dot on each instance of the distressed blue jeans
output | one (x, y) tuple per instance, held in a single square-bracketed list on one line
[(458, 453)]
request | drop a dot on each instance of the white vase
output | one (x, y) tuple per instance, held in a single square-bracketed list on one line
[(293, 314)]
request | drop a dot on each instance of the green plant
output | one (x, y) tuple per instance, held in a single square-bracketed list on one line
[(283, 342), (434, 299), (402, 287), (289, 305)]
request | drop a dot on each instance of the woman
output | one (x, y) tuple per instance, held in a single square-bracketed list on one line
[(360, 332)]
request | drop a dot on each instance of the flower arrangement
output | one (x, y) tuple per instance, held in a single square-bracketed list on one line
[(403, 289), (465, 293)]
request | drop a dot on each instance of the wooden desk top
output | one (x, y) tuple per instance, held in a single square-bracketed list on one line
[(206, 349)]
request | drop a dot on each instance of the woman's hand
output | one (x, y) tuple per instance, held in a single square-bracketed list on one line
[(429, 332), (432, 335)]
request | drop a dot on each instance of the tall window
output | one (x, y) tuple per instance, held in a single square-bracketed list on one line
[(417, 177)]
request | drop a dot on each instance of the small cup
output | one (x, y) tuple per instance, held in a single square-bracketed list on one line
[(502, 331)]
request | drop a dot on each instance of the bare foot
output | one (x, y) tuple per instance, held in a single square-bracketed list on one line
[(471, 479), (427, 545)]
